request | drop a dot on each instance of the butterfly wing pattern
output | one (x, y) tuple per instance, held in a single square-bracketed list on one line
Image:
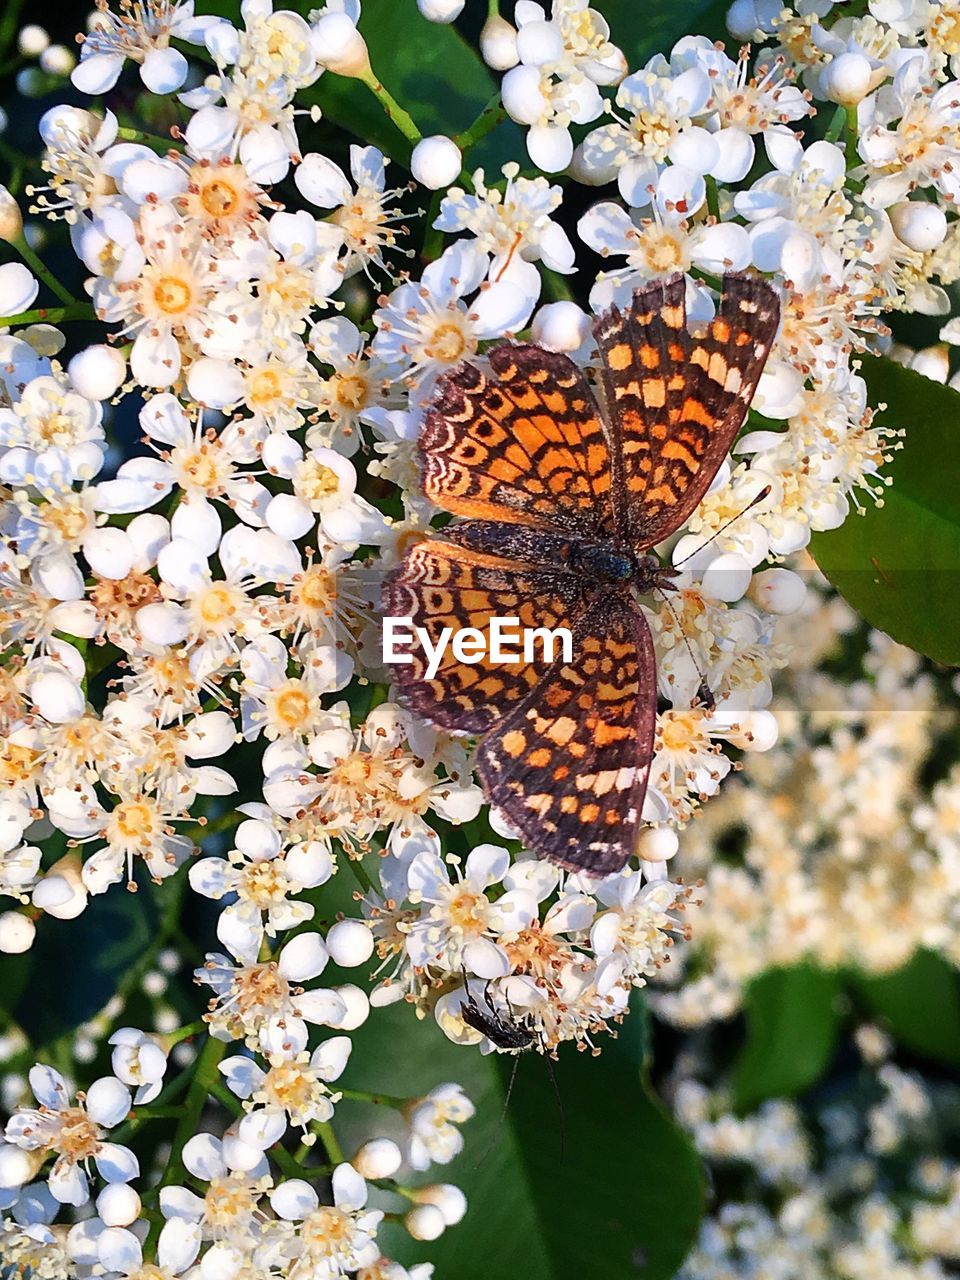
[(676, 398), (568, 766), (521, 449)]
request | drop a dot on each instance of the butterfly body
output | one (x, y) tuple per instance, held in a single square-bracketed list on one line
[(562, 498)]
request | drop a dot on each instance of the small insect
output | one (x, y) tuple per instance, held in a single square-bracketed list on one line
[(509, 1034), (564, 499)]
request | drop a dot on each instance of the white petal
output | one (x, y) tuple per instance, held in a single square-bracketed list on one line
[(164, 70)]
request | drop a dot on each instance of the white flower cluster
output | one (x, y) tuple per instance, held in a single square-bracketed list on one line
[(833, 833), (216, 585), (855, 1187)]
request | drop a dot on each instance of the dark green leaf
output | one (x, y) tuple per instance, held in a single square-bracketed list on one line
[(429, 68), (897, 564), (792, 1027), (85, 960), (920, 1005), (642, 30), (622, 1200)]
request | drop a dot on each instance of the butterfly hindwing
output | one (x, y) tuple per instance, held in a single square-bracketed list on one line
[(518, 440), (676, 399), (438, 585), (568, 766)]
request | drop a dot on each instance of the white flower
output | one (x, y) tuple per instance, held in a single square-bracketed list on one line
[(324, 492), (74, 1132), (798, 211), (49, 415), (459, 925), (326, 1241), (434, 1136), (357, 392), (657, 128), (263, 880), (364, 218), (426, 328), (120, 1252), (919, 149), (143, 35), (670, 240), (263, 1003), (138, 1060), (513, 225), (293, 1087)]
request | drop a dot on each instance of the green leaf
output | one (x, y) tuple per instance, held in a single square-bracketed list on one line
[(86, 960), (897, 564), (792, 1028), (920, 1005), (430, 69), (620, 1198), (642, 30)]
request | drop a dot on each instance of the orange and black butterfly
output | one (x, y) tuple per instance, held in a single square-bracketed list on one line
[(563, 501)]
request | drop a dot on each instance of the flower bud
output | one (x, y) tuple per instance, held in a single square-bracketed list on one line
[(32, 41), (97, 372), (425, 1222), (57, 60), (17, 933), (918, 224), (498, 44), (338, 46), (449, 1199), (847, 79), (18, 289), (726, 578), (350, 943), (933, 362), (560, 326), (18, 1166), (216, 384), (358, 1006), (441, 10), (778, 590), (657, 844), (61, 893), (435, 162), (378, 1158), (11, 219), (118, 1205)]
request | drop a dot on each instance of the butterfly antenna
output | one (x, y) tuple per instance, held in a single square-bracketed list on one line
[(704, 692), (759, 497)]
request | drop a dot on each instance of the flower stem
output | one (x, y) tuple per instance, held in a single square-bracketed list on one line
[(835, 128), (36, 265), (488, 119), (50, 315), (378, 1099), (324, 1131), (392, 108), (850, 148)]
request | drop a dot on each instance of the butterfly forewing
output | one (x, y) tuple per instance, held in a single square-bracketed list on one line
[(438, 585), (676, 399), (569, 765), (519, 440)]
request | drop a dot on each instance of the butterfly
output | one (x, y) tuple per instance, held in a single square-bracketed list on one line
[(562, 497)]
